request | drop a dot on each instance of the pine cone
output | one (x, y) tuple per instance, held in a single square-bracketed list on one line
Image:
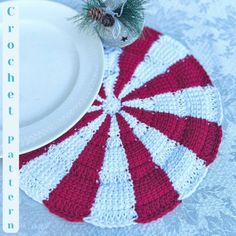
[(98, 14), (108, 20)]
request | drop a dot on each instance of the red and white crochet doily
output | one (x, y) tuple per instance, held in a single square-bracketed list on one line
[(144, 145)]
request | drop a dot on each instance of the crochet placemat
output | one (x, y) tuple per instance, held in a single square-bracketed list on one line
[(144, 145)]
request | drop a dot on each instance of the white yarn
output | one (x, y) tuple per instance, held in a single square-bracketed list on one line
[(115, 200), (199, 102)]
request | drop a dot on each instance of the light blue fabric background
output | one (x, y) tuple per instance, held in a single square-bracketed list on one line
[(208, 28)]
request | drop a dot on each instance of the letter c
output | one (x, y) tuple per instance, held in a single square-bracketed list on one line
[(9, 12)]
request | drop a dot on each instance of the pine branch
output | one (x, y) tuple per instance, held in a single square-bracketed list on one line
[(83, 19), (132, 16)]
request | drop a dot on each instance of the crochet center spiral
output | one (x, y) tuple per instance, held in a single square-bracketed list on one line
[(143, 146)]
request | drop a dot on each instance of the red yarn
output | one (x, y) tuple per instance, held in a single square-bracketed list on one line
[(185, 73), (82, 181), (151, 184), (185, 131)]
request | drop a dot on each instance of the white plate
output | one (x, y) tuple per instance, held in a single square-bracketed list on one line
[(61, 71)]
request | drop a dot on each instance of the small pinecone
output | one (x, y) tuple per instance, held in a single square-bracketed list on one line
[(98, 14), (108, 20)]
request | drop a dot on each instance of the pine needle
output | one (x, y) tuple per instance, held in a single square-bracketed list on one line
[(133, 15)]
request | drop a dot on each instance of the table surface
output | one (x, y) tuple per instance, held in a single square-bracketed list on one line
[(208, 28)]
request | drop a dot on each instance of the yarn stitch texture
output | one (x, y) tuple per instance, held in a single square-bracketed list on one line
[(143, 146)]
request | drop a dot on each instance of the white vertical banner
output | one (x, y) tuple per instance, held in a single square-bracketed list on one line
[(10, 117)]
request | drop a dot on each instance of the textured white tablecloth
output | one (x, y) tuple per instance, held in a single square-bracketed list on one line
[(208, 28)]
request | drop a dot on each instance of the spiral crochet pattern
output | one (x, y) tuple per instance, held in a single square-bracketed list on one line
[(144, 145)]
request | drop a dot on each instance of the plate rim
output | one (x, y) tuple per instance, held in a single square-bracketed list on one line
[(73, 122)]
